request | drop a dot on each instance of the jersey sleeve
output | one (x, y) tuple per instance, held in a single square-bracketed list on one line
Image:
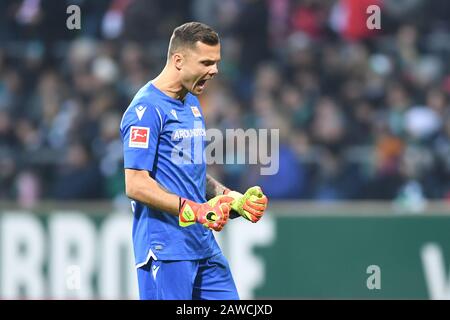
[(140, 129)]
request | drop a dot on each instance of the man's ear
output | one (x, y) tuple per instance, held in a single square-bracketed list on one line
[(178, 60)]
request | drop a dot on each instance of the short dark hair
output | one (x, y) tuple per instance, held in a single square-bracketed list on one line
[(189, 33)]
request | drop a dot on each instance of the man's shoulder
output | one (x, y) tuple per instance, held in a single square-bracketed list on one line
[(144, 107), (147, 95), (147, 98)]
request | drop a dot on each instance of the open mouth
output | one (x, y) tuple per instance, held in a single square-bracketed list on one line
[(201, 83)]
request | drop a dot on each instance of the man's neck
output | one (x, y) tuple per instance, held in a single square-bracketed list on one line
[(169, 83)]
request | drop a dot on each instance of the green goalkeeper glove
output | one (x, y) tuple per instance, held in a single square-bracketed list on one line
[(251, 205), (212, 214)]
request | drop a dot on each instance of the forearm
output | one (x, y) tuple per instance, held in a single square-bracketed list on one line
[(141, 187), (213, 187)]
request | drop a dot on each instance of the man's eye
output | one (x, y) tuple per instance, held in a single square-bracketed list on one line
[(207, 63)]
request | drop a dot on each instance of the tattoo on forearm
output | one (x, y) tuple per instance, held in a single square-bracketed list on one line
[(213, 187)]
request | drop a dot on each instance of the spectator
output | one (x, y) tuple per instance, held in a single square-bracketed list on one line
[(78, 176)]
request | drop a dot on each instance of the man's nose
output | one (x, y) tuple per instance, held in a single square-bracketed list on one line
[(214, 70)]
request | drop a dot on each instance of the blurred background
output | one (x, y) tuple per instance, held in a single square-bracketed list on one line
[(364, 119)]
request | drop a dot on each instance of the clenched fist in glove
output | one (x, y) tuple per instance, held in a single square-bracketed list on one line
[(251, 205), (212, 214)]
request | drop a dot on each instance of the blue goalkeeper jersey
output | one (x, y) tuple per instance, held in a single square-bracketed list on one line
[(167, 137)]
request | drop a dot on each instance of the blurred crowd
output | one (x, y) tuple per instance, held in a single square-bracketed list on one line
[(363, 114)]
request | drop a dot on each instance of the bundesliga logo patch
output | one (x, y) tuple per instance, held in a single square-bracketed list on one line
[(196, 112), (139, 137)]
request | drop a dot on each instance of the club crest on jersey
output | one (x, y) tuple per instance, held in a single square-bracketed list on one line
[(196, 112), (139, 137)]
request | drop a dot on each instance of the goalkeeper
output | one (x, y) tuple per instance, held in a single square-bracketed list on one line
[(176, 205)]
